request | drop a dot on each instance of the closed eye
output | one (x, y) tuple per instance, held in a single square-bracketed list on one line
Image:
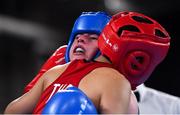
[(77, 36), (94, 37)]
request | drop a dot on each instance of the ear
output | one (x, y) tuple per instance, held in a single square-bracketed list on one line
[(135, 65)]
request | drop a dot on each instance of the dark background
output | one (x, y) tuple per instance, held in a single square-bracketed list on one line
[(31, 30)]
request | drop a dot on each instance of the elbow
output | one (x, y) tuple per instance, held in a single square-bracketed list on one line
[(8, 109), (11, 109)]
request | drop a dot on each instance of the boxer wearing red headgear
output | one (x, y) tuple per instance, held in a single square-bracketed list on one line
[(135, 44)]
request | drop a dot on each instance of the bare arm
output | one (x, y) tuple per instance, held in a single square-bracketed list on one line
[(108, 89), (27, 102), (116, 96)]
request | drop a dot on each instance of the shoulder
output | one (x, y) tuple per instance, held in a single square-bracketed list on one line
[(52, 74), (112, 88), (107, 77), (107, 74), (56, 70)]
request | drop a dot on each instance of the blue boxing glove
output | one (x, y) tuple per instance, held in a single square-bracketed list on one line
[(69, 101)]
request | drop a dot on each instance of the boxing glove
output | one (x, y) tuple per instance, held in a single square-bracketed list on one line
[(56, 59), (69, 101)]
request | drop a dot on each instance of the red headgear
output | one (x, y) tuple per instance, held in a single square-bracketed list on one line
[(135, 44)]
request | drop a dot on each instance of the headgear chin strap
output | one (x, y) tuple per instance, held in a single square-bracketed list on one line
[(87, 22), (135, 44)]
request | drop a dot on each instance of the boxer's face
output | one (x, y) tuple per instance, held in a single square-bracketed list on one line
[(84, 46)]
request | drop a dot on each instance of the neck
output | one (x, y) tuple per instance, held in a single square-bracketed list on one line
[(101, 58)]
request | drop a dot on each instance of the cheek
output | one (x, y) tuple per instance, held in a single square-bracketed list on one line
[(71, 51), (94, 48), (70, 54), (95, 45)]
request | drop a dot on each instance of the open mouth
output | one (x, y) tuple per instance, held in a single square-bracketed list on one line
[(79, 50)]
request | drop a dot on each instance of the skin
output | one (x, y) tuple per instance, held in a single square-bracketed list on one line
[(111, 95), (87, 43)]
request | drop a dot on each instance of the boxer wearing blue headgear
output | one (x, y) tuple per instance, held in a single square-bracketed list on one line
[(87, 22)]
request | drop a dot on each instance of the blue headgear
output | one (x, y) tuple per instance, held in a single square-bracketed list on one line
[(87, 22)]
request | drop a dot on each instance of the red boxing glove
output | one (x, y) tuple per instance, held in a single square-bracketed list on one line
[(58, 58)]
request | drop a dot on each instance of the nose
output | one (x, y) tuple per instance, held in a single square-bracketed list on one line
[(83, 38)]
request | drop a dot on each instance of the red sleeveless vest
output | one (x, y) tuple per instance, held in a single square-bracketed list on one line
[(71, 76)]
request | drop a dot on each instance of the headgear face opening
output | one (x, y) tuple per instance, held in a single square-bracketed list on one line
[(135, 44), (87, 22)]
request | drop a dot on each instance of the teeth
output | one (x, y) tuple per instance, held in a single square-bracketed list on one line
[(79, 50)]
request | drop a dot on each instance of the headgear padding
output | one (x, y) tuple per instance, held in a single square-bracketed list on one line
[(135, 44), (87, 22)]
